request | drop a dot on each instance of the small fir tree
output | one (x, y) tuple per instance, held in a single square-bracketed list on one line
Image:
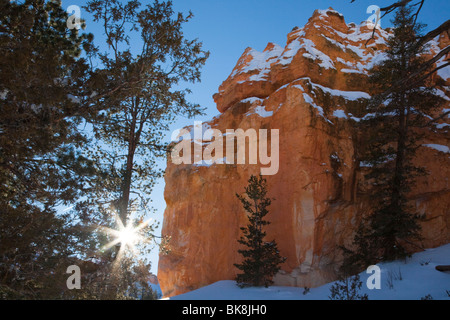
[(262, 259)]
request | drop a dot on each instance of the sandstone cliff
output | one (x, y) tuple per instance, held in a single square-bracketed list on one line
[(313, 91)]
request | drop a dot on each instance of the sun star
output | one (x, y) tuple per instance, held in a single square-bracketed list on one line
[(126, 236)]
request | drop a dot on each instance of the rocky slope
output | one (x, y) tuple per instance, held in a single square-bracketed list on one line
[(313, 91)]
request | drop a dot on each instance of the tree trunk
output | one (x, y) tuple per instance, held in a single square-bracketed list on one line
[(128, 174)]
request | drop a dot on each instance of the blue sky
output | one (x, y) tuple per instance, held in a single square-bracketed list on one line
[(228, 27)]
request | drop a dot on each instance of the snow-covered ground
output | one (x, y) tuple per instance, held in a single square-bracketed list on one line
[(412, 279)]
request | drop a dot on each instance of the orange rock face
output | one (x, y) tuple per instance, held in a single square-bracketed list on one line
[(313, 92)]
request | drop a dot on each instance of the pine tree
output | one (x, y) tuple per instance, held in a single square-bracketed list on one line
[(41, 167), (144, 77), (148, 76), (392, 130), (429, 64), (262, 259), (363, 252)]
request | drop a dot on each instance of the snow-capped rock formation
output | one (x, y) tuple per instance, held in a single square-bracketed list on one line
[(313, 91)]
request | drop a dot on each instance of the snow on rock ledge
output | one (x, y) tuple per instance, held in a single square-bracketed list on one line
[(326, 49)]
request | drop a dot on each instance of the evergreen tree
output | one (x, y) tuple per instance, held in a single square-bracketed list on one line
[(429, 64), (147, 62), (148, 76), (40, 163), (363, 253), (262, 259), (47, 92), (392, 130)]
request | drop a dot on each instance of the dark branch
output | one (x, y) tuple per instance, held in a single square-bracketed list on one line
[(416, 15), (428, 64), (394, 6), (445, 27)]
